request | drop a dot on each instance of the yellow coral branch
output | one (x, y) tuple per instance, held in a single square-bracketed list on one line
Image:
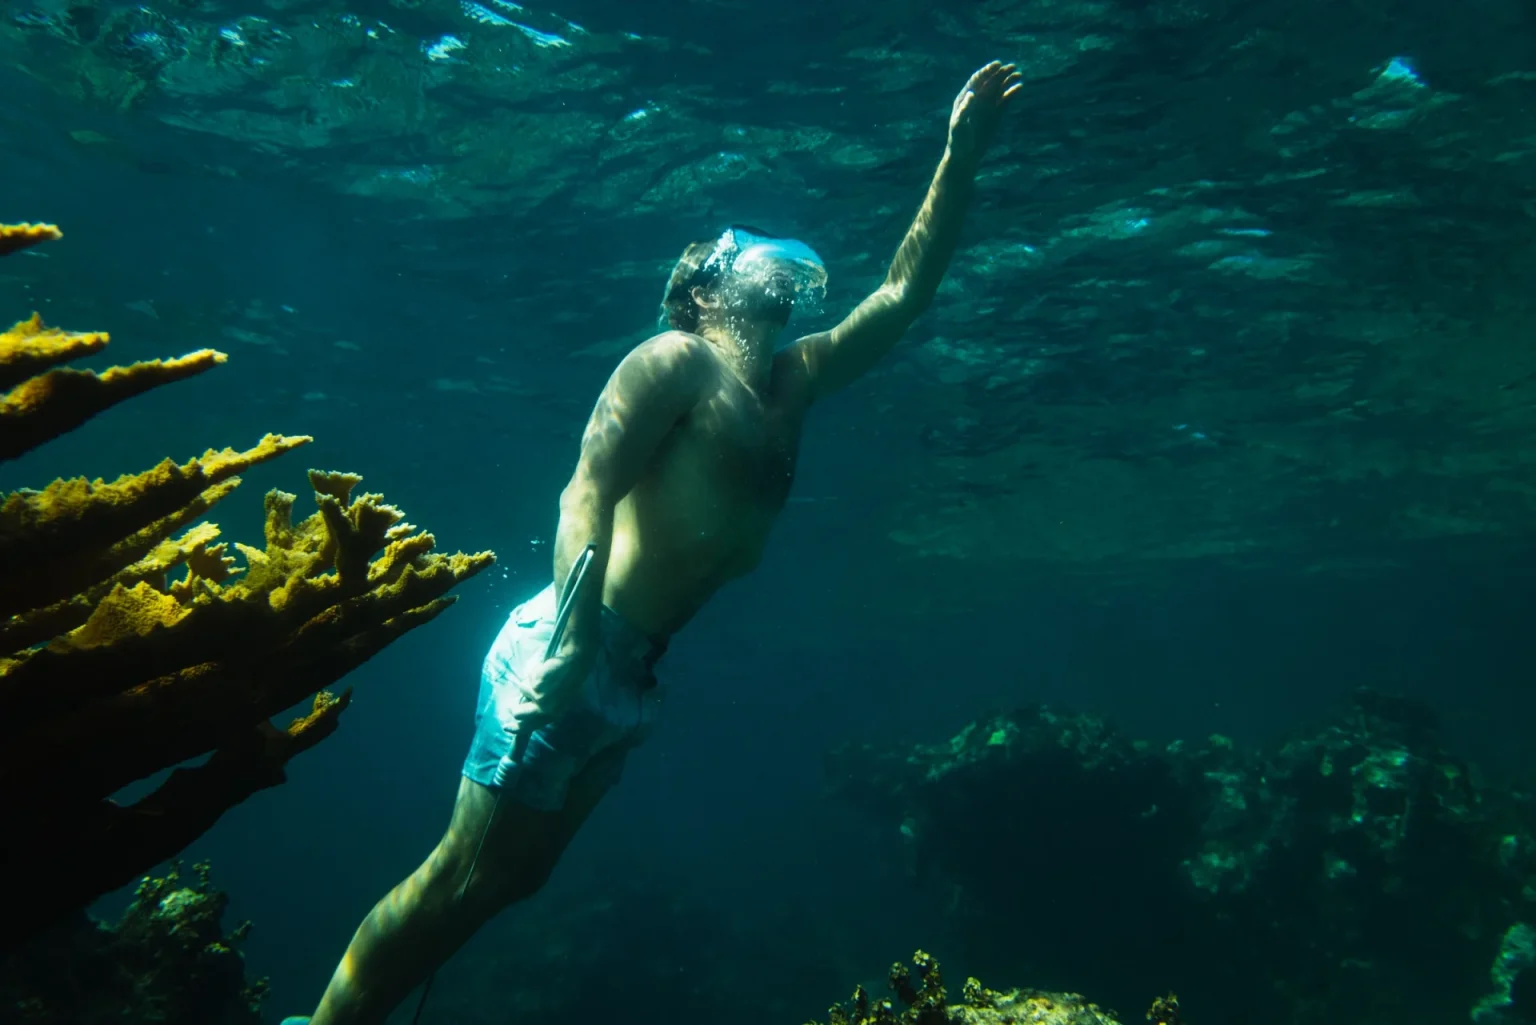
[(76, 533), (306, 731), (194, 549), (14, 237), (147, 660), (127, 611), (32, 347), (44, 407)]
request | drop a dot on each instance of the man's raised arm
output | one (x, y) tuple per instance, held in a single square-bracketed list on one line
[(835, 358)]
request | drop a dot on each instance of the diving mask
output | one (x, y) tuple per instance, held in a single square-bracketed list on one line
[(755, 276), (775, 264)]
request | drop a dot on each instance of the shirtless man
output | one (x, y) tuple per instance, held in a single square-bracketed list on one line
[(684, 465)]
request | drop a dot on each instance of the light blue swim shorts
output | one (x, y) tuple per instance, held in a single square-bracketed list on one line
[(619, 702)]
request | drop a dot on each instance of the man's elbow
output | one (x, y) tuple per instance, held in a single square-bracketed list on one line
[(896, 304), (909, 299)]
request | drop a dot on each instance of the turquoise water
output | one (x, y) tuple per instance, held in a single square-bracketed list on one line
[(1223, 410)]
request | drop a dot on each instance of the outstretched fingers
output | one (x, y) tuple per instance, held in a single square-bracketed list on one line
[(995, 81), (983, 77), (979, 106), (1012, 84)]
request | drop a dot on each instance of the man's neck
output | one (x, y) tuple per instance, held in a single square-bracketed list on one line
[(748, 352)]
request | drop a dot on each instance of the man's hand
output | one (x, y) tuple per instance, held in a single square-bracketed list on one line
[(549, 689), (979, 108)]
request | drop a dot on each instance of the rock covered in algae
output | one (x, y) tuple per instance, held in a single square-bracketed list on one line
[(168, 959), (1360, 872), (127, 649), (1513, 974), (920, 998)]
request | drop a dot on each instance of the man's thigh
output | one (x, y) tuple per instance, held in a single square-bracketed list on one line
[(524, 844)]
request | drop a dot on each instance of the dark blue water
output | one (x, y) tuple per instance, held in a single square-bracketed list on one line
[(450, 354)]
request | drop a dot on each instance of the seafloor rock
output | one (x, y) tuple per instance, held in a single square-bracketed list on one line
[(1361, 874), (921, 999), (126, 651), (1513, 1000), (168, 960)]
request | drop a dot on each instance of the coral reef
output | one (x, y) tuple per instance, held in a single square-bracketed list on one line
[(1361, 873), (925, 1002), (127, 650), (166, 960)]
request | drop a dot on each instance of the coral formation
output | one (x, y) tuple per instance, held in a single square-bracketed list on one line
[(45, 406), (168, 960), (14, 237), (29, 348), (1359, 873), (1165, 1011), (925, 1002), (127, 651)]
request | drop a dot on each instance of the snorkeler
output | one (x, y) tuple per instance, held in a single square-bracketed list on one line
[(684, 466)]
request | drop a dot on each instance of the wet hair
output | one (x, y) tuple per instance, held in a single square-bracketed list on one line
[(678, 307)]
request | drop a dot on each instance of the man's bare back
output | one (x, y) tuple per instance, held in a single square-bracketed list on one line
[(686, 462)]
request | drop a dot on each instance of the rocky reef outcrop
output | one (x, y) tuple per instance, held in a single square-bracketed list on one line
[(922, 999), (1359, 873), (168, 959)]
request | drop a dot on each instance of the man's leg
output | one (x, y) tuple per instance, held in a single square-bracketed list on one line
[(422, 922)]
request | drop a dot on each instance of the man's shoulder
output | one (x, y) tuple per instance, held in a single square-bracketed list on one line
[(674, 356), (673, 340), (676, 348)]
